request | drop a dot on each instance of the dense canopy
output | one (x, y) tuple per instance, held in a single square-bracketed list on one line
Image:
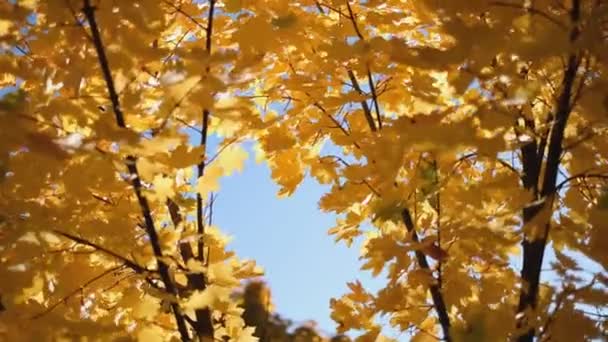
[(464, 143)]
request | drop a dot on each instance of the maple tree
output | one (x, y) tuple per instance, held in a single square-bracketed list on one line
[(463, 143)]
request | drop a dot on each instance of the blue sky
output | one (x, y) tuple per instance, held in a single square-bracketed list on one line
[(288, 237)]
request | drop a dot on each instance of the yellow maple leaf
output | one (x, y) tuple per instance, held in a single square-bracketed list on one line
[(184, 156), (180, 90), (164, 187), (246, 335), (213, 296), (210, 181), (222, 274), (232, 159)]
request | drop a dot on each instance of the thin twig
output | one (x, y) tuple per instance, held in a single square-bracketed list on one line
[(76, 291), (222, 148), (331, 8), (204, 325), (353, 20), (129, 263), (372, 87), (366, 111), (370, 79), (175, 47), (438, 301), (192, 127), (560, 299), (581, 176), (438, 210), (186, 15)]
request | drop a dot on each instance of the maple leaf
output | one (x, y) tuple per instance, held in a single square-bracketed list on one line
[(164, 187)]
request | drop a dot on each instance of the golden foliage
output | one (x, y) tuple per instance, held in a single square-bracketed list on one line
[(460, 140)]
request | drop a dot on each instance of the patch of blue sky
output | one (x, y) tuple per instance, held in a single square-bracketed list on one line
[(288, 238)]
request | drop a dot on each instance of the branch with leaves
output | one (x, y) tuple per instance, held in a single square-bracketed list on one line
[(130, 162)]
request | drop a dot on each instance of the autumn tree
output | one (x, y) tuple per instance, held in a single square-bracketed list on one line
[(464, 144)]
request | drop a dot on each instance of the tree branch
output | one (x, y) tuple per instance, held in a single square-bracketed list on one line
[(176, 218), (76, 291), (561, 297), (89, 12), (438, 302), (353, 20), (186, 15), (579, 176), (372, 87), (370, 80), (203, 142), (130, 162), (204, 325), (127, 262), (534, 249), (364, 105)]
